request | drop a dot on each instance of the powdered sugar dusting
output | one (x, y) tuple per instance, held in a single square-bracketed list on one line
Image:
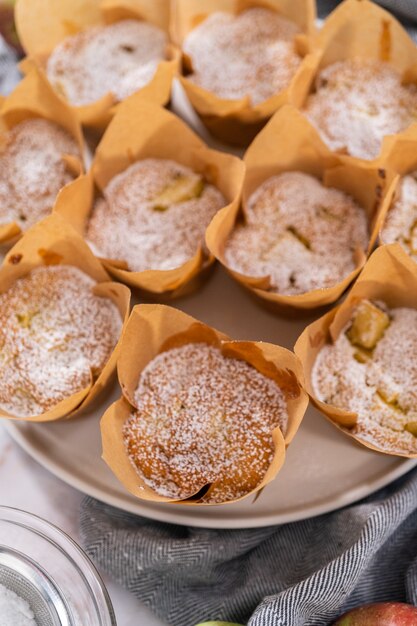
[(251, 54), (357, 103), (382, 391), (32, 170), (124, 224), (14, 610), (300, 233), (201, 419), (400, 224), (120, 58), (55, 335)]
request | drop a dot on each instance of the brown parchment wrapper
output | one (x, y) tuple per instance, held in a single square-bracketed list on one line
[(389, 276), (140, 131), (53, 242), (360, 29), (289, 143), (32, 98), (238, 121), (400, 157), (153, 329), (43, 24)]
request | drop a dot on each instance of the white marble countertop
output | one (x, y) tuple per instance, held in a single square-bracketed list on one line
[(24, 484)]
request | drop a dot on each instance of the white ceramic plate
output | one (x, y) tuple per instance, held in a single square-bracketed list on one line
[(324, 469)]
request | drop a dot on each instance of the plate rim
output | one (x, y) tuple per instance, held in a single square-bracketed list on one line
[(184, 519)]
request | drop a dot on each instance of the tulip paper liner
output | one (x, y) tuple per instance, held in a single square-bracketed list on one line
[(305, 152), (389, 276), (43, 24), (360, 29), (140, 131), (400, 157), (238, 121), (34, 98), (153, 329), (53, 242)]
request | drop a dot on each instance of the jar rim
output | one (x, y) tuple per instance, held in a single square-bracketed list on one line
[(72, 551)]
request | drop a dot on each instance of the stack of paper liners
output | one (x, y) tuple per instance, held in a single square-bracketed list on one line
[(389, 276), (238, 121), (290, 143), (53, 242), (153, 329), (32, 98), (43, 24), (360, 29), (139, 131)]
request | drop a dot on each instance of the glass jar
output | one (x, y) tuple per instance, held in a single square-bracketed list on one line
[(49, 570)]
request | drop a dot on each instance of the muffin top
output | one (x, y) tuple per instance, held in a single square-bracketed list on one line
[(119, 58), (203, 419), (153, 215), (357, 102), (400, 225), (56, 336), (250, 54), (371, 370), (299, 233), (32, 170)]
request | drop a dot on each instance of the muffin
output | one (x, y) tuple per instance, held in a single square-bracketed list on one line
[(201, 419), (370, 370), (302, 235), (96, 53), (33, 170), (243, 61), (145, 204), (118, 58), (252, 54), (357, 102), (308, 220), (400, 224), (153, 215), (56, 336)]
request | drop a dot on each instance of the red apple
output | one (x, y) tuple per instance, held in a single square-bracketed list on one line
[(383, 614), (218, 624)]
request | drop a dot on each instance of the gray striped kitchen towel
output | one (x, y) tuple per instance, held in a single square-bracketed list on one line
[(300, 574)]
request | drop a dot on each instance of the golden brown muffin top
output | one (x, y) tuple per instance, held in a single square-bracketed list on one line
[(203, 419), (371, 370), (153, 215), (56, 335), (32, 170)]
